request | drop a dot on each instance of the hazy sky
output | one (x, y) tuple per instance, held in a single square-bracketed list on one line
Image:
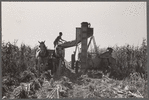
[(114, 23)]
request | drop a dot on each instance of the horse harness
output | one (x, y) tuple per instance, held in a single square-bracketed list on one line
[(46, 54)]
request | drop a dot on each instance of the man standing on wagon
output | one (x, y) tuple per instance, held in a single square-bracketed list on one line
[(58, 39)]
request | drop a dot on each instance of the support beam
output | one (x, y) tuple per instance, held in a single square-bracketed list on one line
[(84, 30), (89, 42), (72, 60)]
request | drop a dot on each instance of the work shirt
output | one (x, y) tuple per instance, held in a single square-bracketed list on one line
[(57, 39), (106, 55)]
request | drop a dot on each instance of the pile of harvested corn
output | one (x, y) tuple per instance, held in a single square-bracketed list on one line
[(91, 85)]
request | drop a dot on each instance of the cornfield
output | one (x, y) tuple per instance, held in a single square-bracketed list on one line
[(132, 59), (18, 62)]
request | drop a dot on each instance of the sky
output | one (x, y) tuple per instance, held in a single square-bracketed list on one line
[(114, 23)]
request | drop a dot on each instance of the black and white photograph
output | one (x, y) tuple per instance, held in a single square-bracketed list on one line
[(71, 49)]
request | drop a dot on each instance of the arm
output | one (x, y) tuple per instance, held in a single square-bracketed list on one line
[(63, 40)]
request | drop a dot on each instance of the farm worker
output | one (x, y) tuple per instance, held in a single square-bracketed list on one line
[(58, 39), (107, 54)]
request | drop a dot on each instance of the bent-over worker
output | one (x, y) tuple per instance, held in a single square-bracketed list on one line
[(58, 39)]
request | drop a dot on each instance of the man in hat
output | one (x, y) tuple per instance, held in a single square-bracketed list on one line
[(107, 54), (58, 39)]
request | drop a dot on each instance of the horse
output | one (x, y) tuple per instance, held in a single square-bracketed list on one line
[(44, 59)]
